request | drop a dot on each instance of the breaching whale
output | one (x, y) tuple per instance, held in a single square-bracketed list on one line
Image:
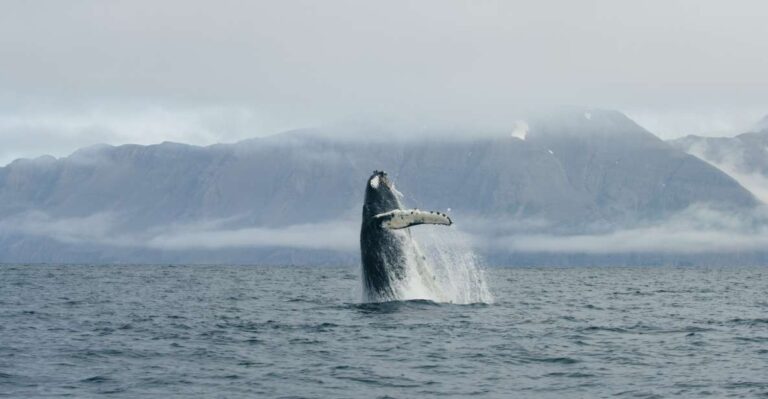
[(384, 250)]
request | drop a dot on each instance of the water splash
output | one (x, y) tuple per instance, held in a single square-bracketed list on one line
[(442, 269), (455, 265)]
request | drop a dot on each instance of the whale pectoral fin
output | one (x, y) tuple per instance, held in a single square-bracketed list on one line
[(402, 218)]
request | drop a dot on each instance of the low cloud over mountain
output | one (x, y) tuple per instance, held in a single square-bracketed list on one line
[(744, 157), (559, 188)]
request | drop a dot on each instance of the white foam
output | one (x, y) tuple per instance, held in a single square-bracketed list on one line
[(375, 182), (455, 265), (447, 270)]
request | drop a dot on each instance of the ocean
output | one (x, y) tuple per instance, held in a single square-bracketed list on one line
[(136, 331)]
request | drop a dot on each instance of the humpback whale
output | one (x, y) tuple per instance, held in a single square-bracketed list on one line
[(384, 247)]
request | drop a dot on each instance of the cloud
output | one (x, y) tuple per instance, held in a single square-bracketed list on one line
[(337, 236), (95, 228), (698, 229), (36, 131), (703, 120), (731, 159), (757, 183), (106, 229), (83, 71)]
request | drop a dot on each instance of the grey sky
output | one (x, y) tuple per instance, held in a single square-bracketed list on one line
[(79, 72)]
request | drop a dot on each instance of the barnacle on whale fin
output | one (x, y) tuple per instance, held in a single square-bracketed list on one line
[(402, 218)]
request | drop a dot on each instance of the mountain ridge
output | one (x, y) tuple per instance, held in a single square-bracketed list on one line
[(578, 172)]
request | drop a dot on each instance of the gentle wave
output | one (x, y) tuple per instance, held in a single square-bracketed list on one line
[(251, 331)]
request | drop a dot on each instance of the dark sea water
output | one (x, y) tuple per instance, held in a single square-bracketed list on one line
[(296, 332)]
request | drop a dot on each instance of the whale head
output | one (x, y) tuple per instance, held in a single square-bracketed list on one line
[(380, 194)]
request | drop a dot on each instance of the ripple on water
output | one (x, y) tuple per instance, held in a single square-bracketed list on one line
[(251, 331), (99, 379)]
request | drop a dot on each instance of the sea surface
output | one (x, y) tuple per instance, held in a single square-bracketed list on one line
[(301, 332)]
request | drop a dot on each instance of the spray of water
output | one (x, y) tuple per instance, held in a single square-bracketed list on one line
[(442, 269)]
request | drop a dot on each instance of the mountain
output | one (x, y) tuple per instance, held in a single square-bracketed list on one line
[(745, 153), (296, 197), (744, 157)]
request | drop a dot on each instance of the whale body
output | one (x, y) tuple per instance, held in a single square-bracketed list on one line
[(384, 246)]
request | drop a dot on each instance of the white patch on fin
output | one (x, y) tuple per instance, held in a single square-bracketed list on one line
[(402, 218), (375, 182)]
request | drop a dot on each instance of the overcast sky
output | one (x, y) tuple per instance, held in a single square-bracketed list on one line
[(74, 73)]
